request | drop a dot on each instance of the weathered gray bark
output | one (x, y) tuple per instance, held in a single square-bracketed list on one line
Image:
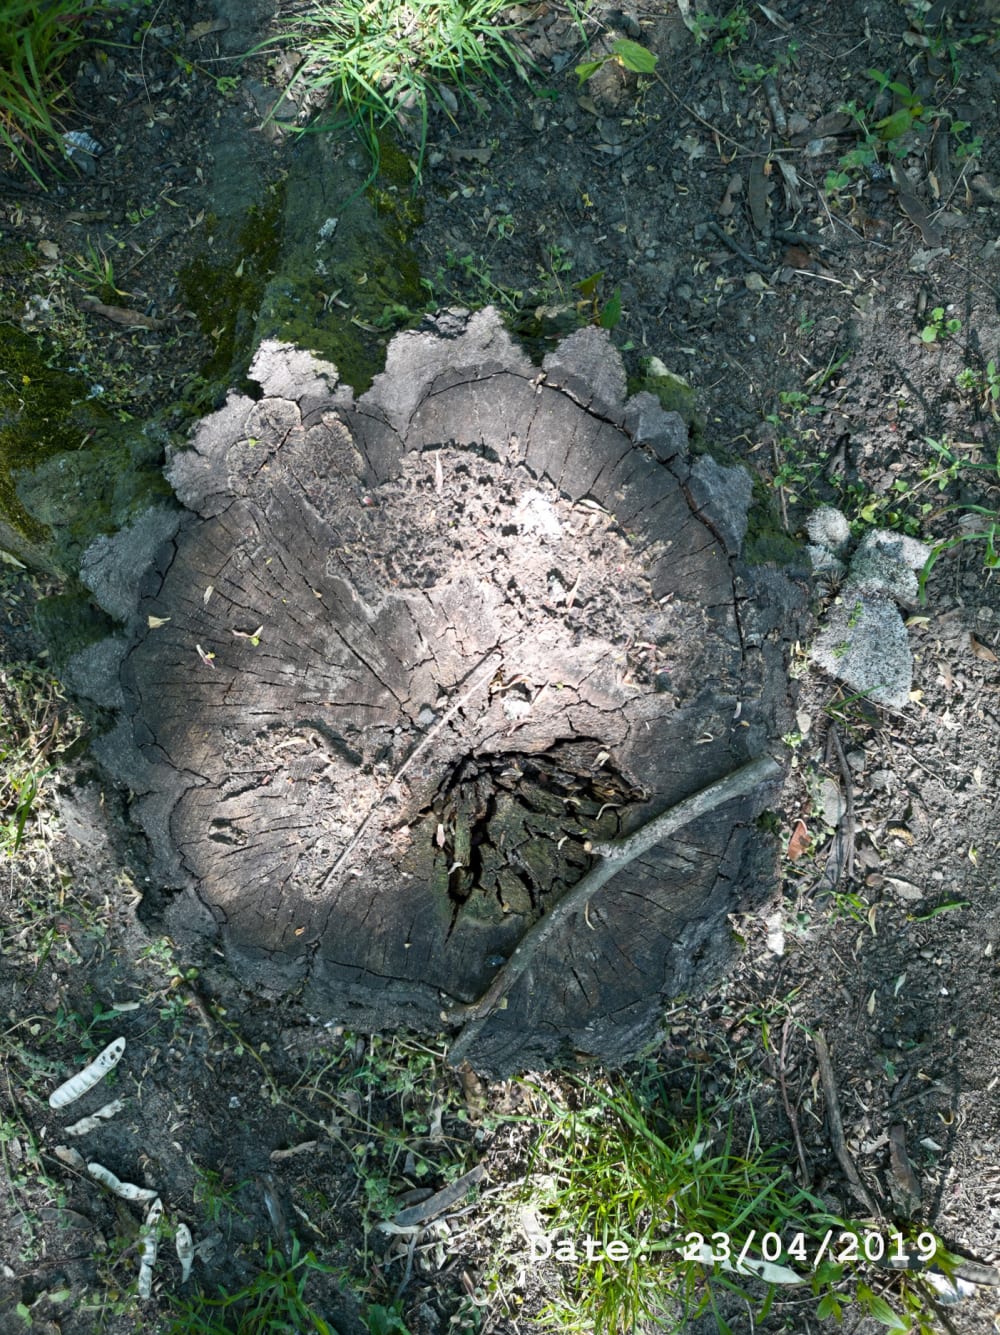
[(406, 656)]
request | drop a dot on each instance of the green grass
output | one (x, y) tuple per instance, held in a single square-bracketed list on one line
[(36, 40), (35, 727), (376, 61), (692, 1213), (274, 1302), (983, 521)]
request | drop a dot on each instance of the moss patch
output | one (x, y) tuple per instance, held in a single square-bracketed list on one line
[(70, 468), (322, 263), (675, 395), (766, 542), (223, 287), (348, 278)]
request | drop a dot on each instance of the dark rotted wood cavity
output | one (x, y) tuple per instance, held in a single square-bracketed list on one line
[(510, 831)]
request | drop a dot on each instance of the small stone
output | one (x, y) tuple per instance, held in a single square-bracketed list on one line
[(828, 528), (832, 802)]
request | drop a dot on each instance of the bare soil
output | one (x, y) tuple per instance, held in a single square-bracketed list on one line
[(250, 1116)]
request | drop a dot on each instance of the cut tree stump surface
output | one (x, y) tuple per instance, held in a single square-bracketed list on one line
[(400, 660)]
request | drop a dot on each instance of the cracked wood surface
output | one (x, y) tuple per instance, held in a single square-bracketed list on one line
[(406, 656)]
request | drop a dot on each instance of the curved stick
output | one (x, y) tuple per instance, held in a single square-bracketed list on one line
[(612, 858)]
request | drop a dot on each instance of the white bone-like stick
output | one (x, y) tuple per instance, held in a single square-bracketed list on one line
[(184, 1243), (95, 1119), (150, 1247), (77, 1085), (128, 1191)]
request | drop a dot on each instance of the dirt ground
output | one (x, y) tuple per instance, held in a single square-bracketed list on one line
[(837, 321)]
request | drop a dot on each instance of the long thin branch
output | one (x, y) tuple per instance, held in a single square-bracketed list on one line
[(836, 1127), (613, 857)]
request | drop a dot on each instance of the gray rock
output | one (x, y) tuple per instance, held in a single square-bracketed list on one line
[(863, 643), (825, 563), (110, 566), (829, 529), (862, 640), (886, 562), (722, 496)]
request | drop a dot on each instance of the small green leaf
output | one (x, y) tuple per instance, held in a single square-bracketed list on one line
[(634, 57), (953, 906), (892, 127), (611, 312), (588, 286), (880, 1310), (588, 69), (828, 1306)]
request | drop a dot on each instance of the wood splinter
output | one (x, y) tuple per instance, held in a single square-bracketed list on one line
[(612, 858)]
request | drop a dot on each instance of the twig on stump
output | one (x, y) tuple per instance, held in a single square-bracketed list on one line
[(612, 858)]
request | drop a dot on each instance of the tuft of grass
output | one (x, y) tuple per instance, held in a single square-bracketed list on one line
[(36, 40), (623, 1168), (35, 727), (375, 61), (274, 1300), (680, 1220), (983, 520)]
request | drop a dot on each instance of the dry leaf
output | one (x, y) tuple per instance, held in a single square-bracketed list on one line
[(150, 1244), (982, 651), (728, 201), (799, 842), (49, 249), (795, 257), (128, 1191), (184, 1244), (119, 315), (70, 1157), (304, 1147), (205, 29), (87, 1124)]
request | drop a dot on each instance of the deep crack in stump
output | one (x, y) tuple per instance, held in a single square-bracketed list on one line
[(404, 657)]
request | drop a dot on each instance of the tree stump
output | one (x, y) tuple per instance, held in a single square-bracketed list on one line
[(406, 658)]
